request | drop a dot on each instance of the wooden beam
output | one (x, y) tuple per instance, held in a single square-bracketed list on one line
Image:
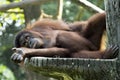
[(21, 4)]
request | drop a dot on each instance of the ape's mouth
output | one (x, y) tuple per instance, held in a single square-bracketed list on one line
[(36, 43)]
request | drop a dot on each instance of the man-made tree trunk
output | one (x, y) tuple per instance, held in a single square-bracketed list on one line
[(113, 26)]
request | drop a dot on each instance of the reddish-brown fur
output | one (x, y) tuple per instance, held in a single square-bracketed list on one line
[(54, 38), (92, 29), (46, 23)]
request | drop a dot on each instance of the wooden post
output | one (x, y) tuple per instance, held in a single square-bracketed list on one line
[(113, 26), (113, 21)]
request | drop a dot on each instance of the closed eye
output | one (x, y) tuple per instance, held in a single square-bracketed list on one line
[(25, 44), (27, 37)]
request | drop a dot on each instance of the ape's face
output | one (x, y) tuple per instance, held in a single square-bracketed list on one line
[(29, 40)]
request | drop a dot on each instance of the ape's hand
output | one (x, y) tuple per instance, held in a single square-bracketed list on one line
[(19, 54)]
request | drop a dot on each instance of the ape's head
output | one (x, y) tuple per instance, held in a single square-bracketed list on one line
[(29, 39)]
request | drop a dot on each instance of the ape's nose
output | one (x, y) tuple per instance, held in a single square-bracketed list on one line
[(36, 43)]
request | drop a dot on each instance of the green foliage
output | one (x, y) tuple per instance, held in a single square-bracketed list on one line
[(50, 8), (71, 10), (11, 22), (4, 2), (5, 73)]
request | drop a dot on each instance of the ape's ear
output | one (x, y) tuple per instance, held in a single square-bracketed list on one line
[(17, 38), (16, 41)]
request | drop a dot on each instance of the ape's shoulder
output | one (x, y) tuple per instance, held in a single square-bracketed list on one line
[(50, 23)]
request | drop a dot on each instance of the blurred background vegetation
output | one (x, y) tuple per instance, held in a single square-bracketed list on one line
[(12, 21)]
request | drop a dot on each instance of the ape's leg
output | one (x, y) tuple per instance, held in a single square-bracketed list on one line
[(79, 27), (92, 29), (109, 53), (87, 54), (95, 29)]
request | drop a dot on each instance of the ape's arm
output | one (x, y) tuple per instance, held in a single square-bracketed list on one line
[(21, 53), (46, 52)]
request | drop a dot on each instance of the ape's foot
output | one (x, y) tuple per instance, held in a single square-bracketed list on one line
[(111, 52)]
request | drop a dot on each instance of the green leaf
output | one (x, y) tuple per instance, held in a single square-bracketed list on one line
[(5, 73)]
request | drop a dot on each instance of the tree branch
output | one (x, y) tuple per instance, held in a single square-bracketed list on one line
[(21, 4), (44, 15), (88, 4), (60, 9)]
